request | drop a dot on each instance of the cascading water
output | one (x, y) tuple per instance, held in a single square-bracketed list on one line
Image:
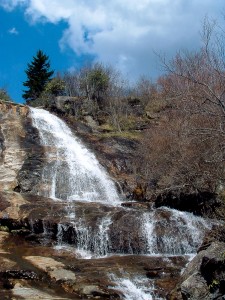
[(93, 241), (71, 171), (173, 232), (162, 231), (134, 288)]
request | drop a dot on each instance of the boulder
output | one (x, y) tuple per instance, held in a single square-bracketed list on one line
[(204, 276)]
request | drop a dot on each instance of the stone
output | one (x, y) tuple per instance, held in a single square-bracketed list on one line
[(12, 153), (90, 290), (15, 202), (201, 203), (137, 205), (21, 231), (195, 287), (91, 122), (204, 276), (56, 270), (3, 236), (21, 155), (25, 292)]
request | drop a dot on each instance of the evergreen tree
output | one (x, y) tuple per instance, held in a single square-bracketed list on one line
[(38, 75)]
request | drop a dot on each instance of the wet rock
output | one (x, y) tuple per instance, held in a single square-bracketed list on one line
[(21, 231), (137, 205), (56, 270), (199, 203), (153, 274), (116, 154), (19, 274), (29, 175), (7, 284), (93, 290), (6, 264)]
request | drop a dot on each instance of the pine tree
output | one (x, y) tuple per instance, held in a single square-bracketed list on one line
[(38, 75)]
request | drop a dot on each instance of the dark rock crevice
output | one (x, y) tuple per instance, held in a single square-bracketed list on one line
[(2, 145), (30, 174), (204, 203)]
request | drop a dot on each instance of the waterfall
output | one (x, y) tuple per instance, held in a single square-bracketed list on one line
[(173, 232), (97, 230), (71, 171), (162, 231), (92, 241)]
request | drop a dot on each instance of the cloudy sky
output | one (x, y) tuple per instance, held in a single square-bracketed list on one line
[(122, 33)]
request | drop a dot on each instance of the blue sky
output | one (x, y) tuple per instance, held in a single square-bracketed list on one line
[(122, 33)]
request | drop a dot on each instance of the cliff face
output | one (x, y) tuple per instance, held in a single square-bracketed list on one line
[(12, 153), (21, 155)]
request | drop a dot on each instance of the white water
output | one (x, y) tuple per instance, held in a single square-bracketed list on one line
[(93, 242), (71, 171), (181, 233), (135, 288), (160, 232)]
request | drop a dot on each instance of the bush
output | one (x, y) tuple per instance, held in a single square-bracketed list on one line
[(4, 95)]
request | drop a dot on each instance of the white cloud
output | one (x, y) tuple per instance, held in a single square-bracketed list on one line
[(124, 32), (11, 4), (13, 31)]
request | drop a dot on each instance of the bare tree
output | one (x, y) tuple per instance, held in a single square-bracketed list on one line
[(187, 147)]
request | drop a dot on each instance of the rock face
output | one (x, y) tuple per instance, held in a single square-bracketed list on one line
[(204, 276), (21, 155), (29, 175), (12, 155), (200, 203)]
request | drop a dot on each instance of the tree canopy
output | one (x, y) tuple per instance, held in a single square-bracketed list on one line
[(38, 75)]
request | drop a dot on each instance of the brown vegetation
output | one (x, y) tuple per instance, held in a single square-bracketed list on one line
[(186, 148)]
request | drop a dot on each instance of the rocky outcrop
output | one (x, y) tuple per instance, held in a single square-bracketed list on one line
[(29, 175), (12, 131), (204, 276), (205, 204), (216, 234), (21, 155)]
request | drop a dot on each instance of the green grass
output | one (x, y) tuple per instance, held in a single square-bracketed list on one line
[(133, 135)]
